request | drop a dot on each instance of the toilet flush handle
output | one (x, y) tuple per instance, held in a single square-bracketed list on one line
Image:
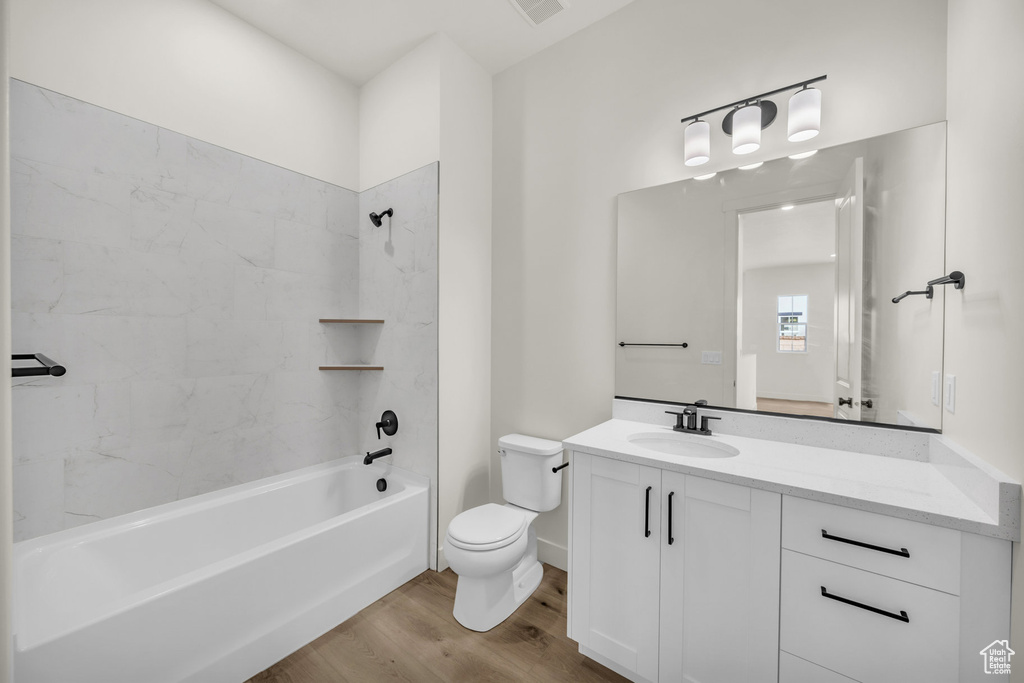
[(560, 467)]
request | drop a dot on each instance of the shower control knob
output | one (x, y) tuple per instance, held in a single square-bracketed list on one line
[(388, 423)]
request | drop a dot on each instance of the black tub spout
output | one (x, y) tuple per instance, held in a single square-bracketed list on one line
[(370, 457)]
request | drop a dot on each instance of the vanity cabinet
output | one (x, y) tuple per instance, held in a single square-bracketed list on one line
[(673, 577), (883, 600)]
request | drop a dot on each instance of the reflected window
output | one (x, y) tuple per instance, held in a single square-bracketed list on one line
[(792, 312)]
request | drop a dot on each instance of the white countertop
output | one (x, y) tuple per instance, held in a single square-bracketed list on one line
[(898, 487)]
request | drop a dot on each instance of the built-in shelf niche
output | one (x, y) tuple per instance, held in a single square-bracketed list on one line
[(352, 321)]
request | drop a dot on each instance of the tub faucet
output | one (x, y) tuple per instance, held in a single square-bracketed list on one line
[(370, 457)]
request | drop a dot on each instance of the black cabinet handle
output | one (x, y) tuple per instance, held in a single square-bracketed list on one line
[(647, 514), (670, 539), (902, 552), (845, 401), (902, 616)]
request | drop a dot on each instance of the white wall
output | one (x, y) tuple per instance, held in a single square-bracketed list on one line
[(400, 116), (464, 281), (792, 376), (191, 67), (6, 508), (985, 321), (598, 114)]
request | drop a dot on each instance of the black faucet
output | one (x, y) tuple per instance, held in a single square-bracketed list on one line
[(370, 457), (686, 421)]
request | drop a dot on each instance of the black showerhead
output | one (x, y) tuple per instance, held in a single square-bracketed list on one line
[(375, 218)]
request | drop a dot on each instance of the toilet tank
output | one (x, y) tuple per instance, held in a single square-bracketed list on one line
[(526, 476)]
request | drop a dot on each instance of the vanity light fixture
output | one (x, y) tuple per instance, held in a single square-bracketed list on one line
[(749, 167), (803, 155), (697, 143), (787, 207), (705, 176), (804, 114), (749, 117), (746, 129)]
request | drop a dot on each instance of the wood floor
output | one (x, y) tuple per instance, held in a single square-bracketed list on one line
[(778, 405), (411, 635)]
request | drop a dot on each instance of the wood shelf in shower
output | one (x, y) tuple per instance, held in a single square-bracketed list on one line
[(351, 367), (356, 321)]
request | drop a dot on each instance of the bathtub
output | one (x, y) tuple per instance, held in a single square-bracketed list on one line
[(216, 587)]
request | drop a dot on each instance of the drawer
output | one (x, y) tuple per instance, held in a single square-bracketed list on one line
[(859, 643), (795, 670), (874, 542)]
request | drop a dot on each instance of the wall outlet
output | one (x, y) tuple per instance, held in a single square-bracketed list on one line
[(711, 357), (936, 388), (951, 393)]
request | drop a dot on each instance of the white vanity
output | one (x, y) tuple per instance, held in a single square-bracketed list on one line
[(842, 553)]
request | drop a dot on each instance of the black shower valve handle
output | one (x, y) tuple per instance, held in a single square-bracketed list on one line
[(388, 423)]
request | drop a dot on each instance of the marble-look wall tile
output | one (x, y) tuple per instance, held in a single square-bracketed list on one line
[(398, 282), (180, 283)]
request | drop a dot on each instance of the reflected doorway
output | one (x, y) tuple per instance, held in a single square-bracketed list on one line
[(786, 308)]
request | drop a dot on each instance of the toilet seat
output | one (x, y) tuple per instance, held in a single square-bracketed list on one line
[(487, 527)]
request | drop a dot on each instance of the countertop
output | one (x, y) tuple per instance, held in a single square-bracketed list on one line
[(905, 488)]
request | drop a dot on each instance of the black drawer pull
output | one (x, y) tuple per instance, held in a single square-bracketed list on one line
[(902, 552), (647, 514), (670, 539), (902, 616)]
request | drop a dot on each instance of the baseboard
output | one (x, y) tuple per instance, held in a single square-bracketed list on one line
[(442, 563), (553, 554)]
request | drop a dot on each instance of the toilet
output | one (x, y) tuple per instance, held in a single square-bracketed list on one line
[(493, 548)]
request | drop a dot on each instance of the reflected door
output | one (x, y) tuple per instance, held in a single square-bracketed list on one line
[(849, 292)]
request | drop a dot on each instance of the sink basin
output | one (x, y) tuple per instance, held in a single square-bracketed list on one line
[(682, 444)]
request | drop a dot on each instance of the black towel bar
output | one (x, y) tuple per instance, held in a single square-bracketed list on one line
[(46, 366), (683, 345)]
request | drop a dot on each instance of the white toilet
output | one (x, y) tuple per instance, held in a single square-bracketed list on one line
[(493, 548)]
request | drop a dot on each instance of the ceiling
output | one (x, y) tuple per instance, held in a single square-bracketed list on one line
[(359, 39), (803, 235)]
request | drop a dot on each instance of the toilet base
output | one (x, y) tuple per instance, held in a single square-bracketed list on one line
[(483, 603)]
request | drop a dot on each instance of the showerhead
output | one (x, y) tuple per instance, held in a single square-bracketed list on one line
[(375, 217)]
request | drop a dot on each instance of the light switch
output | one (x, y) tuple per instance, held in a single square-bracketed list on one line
[(711, 357), (937, 388), (951, 393)]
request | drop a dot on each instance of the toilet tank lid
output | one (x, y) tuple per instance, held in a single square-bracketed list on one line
[(530, 444)]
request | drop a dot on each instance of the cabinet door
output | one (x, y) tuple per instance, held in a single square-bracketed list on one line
[(719, 582), (615, 566)]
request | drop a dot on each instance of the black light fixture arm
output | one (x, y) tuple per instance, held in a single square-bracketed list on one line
[(748, 100)]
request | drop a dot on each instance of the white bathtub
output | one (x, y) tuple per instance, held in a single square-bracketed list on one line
[(216, 587)]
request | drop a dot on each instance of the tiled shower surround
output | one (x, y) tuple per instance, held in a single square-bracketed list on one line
[(181, 285)]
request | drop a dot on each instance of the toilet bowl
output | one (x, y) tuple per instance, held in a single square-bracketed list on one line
[(493, 548)]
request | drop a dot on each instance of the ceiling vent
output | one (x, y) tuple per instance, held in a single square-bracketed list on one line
[(538, 11)]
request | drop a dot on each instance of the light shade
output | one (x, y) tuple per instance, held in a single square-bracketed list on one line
[(697, 143), (746, 129), (804, 114)]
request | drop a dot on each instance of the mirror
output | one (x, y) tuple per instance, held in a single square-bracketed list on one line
[(780, 282)]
